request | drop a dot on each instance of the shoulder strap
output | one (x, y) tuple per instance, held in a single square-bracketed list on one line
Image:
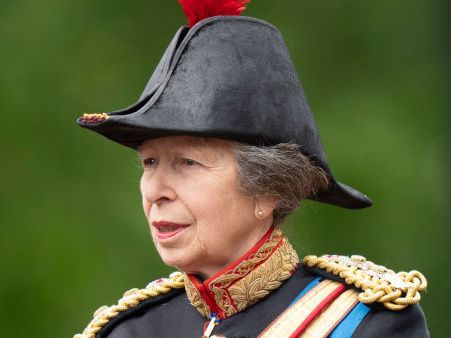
[(376, 283)]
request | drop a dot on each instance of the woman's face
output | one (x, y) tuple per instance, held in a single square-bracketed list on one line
[(199, 219)]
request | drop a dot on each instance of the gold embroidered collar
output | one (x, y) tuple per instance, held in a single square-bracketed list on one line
[(261, 270)]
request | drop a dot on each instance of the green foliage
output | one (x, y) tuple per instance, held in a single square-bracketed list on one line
[(72, 234)]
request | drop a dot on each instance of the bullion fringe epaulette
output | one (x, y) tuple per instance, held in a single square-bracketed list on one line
[(395, 291), (130, 300)]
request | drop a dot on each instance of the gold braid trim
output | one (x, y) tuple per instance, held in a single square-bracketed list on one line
[(94, 118), (258, 282), (130, 300), (196, 298), (251, 280), (395, 291)]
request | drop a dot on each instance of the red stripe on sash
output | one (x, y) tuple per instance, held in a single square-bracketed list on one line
[(320, 307), (298, 317)]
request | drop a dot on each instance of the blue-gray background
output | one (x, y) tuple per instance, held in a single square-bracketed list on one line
[(72, 233)]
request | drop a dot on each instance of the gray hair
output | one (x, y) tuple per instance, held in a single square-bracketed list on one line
[(281, 172)]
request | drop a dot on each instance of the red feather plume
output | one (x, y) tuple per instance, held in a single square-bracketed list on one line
[(197, 10)]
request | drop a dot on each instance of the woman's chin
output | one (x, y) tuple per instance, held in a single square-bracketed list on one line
[(180, 262)]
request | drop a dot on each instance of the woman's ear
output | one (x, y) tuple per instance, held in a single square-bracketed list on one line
[(264, 207)]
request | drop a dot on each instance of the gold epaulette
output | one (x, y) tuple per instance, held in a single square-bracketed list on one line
[(395, 291), (130, 300)]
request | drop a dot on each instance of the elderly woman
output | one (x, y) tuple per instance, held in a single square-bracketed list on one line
[(229, 148)]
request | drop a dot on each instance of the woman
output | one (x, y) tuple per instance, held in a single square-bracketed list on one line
[(229, 148)]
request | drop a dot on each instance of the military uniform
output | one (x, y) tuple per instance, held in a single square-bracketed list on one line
[(231, 77), (250, 297)]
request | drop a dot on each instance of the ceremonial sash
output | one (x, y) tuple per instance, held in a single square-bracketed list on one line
[(323, 308)]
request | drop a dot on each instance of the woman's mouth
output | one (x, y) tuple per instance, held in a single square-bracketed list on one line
[(166, 230)]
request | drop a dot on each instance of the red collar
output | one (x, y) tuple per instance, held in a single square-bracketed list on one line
[(270, 262)]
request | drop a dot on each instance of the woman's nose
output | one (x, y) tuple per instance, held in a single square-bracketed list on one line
[(157, 187)]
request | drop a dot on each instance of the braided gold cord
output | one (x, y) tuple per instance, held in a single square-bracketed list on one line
[(98, 115), (131, 299), (395, 291), (94, 118)]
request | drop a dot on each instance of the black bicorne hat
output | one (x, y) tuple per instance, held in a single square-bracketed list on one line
[(228, 77)]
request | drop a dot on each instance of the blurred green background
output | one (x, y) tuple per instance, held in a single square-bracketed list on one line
[(72, 234)]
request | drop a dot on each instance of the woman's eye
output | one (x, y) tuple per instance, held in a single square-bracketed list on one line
[(149, 162), (189, 162)]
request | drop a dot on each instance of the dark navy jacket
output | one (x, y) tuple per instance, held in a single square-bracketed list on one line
[(171, 315)]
